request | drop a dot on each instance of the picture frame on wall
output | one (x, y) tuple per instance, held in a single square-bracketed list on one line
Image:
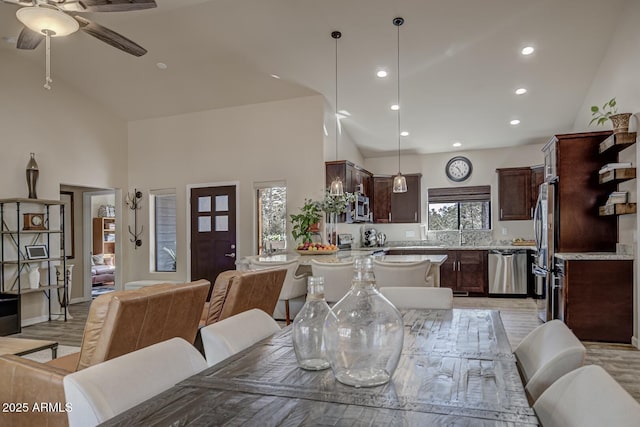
[(36, 251), (69, 242)]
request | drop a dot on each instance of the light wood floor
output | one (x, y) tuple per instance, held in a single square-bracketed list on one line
[(518, 315)]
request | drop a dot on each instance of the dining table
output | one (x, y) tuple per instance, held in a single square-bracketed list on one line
[(456, 369)]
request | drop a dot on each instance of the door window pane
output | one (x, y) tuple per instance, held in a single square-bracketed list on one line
[(204, 204), (222, 203)]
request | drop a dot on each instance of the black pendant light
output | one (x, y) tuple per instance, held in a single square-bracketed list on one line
[(399, 181), (336, 188)]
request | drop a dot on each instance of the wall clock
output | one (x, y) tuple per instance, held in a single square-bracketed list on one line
[(34, 221), (458, 168)]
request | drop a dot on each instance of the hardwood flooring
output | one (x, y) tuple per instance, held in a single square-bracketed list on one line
[(518, 315)]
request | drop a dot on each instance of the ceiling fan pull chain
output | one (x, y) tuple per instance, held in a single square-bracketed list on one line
[(47, 79)]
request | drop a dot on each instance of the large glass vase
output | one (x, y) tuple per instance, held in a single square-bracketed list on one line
[(363, 332)]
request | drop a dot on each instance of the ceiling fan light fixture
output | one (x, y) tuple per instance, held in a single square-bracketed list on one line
[(42, 19)]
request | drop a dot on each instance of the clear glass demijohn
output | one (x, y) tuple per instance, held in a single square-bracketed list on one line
[(363, 332), (308, 326)]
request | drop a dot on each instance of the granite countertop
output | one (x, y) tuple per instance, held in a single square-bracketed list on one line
[(573, 256), (462, 247)]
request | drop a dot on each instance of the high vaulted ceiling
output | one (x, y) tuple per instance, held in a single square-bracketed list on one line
[(460, 63)]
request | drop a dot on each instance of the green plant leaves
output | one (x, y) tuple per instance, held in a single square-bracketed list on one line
[(601, 116)]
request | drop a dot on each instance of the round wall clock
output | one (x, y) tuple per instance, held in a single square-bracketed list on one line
[(458, 168)]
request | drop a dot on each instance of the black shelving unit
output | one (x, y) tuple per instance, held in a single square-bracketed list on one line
[(14, 261)]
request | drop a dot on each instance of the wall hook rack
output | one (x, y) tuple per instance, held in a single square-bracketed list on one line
[(134, 201)]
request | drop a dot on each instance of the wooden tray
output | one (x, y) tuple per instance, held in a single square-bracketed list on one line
[(524, 243)]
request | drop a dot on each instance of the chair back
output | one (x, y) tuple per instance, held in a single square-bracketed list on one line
[(404, 297), (337, 278), (390, 274), (293, 286), (237, 291), (547, 353), (587, 397), (107, 389), (233, 334), (121, 322)]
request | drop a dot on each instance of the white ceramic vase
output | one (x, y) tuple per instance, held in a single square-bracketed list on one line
[(34, 278)]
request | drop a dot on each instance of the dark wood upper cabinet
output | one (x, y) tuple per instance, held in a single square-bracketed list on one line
[(390, 207), (381, 202), (351, 175), (514, 194), (537, 178)]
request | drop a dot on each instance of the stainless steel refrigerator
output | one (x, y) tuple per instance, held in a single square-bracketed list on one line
[(544, 221)]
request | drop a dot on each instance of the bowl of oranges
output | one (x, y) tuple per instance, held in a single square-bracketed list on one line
[(316, 249)]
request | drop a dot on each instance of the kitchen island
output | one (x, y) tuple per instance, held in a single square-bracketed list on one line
[(347, 256)]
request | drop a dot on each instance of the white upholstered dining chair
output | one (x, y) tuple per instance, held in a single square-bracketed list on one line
[(337, 278), (107, 389), (233, 334), (389, 274), (587, 397), (408, 297), (294, 286), (547, 353)]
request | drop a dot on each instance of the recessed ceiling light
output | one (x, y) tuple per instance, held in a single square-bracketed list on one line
[(528, 50), (514, 122), (381, 74), (404, 133), (457, 144), (521, 91), (275, 76), (161, 66), (395, 107)]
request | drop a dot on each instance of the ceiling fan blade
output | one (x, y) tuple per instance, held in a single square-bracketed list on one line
[(110, 37), (28, 39), (115, 5)]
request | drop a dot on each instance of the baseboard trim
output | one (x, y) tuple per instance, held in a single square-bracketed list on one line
[(34, 320), (79, 299), (634, 342)]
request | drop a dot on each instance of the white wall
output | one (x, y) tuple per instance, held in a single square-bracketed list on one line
[(618, 77), (75, 140), (274, 141), (432, 167), (346, 148)]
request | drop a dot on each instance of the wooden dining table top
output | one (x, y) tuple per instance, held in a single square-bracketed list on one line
[(456, 369)]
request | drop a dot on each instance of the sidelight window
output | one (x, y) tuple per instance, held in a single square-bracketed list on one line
[(163, 208), (466, 207), (271, 202)]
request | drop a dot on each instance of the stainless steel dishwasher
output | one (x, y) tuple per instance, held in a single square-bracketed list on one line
[(508, 272)]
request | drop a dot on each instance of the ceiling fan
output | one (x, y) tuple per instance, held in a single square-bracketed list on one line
[(44, 19), (62, 10)]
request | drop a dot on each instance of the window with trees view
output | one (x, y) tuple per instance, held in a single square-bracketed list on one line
[(466, 207), (272, 216), (163, 206)]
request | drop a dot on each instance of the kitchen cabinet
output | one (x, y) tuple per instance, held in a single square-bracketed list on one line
[(464, 271), (354, 178), (518, 192), (514, 194), (595, 298), (396, 208), (573, 161), (104, 235), (614, 144)]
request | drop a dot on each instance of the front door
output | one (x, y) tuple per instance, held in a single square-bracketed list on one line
[(213, 231)]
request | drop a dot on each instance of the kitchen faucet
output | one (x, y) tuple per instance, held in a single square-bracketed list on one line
[(460, 239)]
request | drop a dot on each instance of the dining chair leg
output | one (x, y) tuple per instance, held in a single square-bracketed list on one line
[(286, 311)]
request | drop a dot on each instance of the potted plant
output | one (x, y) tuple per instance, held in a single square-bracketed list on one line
[(304, 222), (333, 206), (610, 112)]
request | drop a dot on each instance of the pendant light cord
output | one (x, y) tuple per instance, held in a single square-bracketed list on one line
[(336, 35), (398, 22)]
